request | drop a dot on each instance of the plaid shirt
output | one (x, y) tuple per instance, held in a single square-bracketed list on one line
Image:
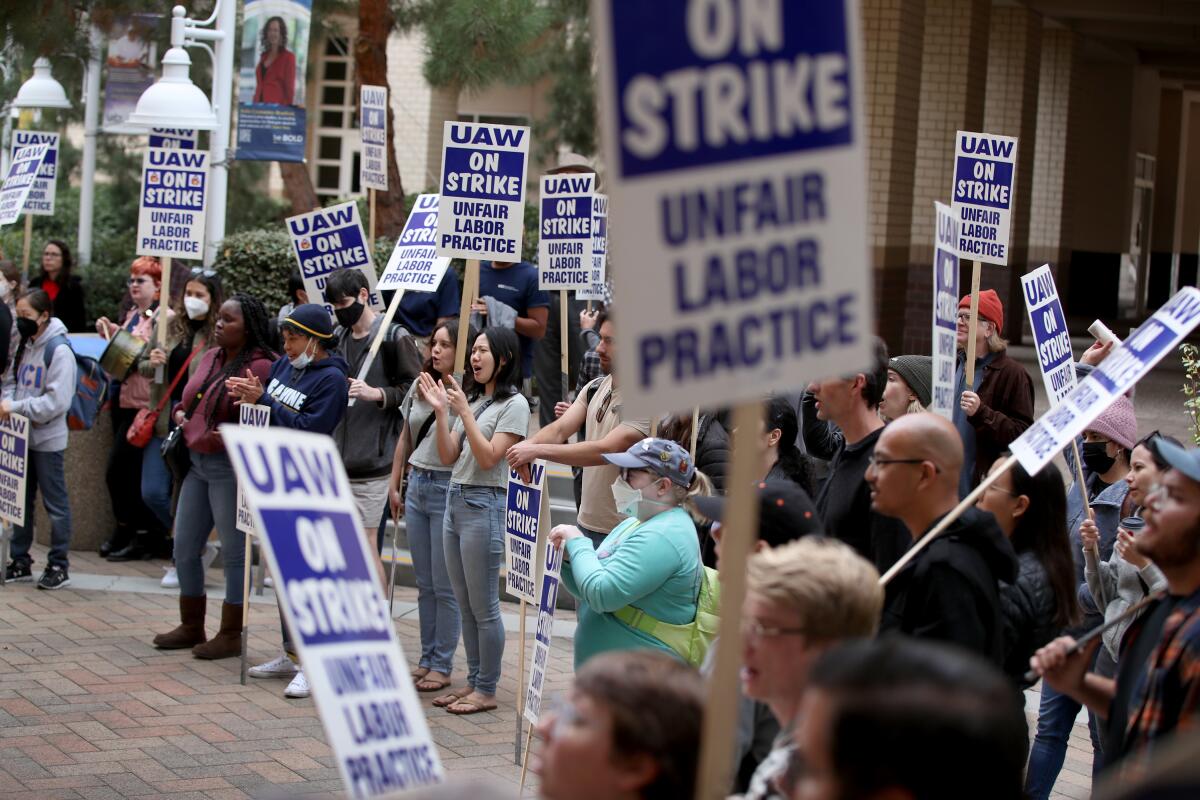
[(1167, 698), (589, 368)]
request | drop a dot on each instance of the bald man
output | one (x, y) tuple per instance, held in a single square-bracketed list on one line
[(950, 591)]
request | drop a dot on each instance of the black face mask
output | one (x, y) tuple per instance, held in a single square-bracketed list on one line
[(26, 327), (349, 315), (1096, 459)]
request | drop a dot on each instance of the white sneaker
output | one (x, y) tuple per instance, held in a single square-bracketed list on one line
[(209, 554), (281, 667), (299, 686), (171, 579)]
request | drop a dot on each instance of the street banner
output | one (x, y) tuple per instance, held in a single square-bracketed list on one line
[(258, 417), (547, 598), (176, 138), (130, 66), (985, 166), (737, 177), (372, 125), (171, 214), (1115, 375), (599, 238), (524, 538), (945, 310), (40, 200), (22, 174), (327, 240), (14, 462), (1052, 341), (483, 183), (328, 587), (414, 264), (565, 231), (271, 119)]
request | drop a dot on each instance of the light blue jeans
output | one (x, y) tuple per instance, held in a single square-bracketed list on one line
[(44, 470), (424, 514), (209, 497), (473, 535)]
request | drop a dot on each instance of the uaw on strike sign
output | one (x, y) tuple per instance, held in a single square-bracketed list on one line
[(483, 191), (22, 173), (171, 215), (414, 264), (327, 240), (984, 168), (328, 587), (734, 139), (40, 201), (565, 238)]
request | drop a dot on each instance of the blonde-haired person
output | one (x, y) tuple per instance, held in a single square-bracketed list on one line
[(801, 599), (909, 387), (650, 561)]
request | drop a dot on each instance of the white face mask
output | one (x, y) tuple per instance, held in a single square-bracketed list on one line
[(626, 497), (196, 308), (301, 361)]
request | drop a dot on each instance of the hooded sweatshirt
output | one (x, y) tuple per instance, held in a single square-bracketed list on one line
[(950, 591), (44, 393), (310, 399)]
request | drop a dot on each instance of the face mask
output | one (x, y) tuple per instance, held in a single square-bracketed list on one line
[(196, 308), (301, 361), (5, 289), (26, 327), (1096, 459), (626, 497), (349, 315)]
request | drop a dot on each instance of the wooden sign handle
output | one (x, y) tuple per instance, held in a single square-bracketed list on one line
[(469, 290), (972, 327)]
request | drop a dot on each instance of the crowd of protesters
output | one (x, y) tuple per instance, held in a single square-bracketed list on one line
[(849, 688)]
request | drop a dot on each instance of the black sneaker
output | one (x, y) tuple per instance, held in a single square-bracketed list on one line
[(19, 571), (54, 578)]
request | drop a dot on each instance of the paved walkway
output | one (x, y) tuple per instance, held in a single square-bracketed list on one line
[(89, 709)]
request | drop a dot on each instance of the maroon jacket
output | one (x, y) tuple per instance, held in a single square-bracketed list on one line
[(201, 435), (1005, 411)]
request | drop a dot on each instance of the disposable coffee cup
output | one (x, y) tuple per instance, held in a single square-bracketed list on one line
[(1133, 524), (1102, 333)]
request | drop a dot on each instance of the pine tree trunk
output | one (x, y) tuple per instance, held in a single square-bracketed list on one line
[(375, 23)]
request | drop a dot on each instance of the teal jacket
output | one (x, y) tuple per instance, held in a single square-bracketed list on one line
[(654, 566)]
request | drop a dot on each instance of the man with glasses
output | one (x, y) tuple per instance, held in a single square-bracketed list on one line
[(950, 590), (801, 599), (1157, 688), (998, 406), (596, 416)]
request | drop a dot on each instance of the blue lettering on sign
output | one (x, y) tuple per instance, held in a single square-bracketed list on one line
[(1051, 337), (566, 218), (545, 628), (483, 174), (1122, 369), (945, 312), (176, 190), (729, 81), (980, 182)]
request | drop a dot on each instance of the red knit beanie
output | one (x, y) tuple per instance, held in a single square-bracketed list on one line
[(990, 307)]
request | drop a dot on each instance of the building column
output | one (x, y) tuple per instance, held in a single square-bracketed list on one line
[(953, 83), (893, 32)]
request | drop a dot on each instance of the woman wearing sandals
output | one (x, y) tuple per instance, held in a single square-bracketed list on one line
[(494, 419), (424, 508)]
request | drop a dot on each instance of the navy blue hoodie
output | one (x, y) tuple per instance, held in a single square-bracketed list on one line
[(310, 399)]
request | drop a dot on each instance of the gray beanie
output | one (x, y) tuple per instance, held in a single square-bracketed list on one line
[(917, 372)]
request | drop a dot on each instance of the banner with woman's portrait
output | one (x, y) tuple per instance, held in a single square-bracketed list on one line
[(273, 60), (130, 69)]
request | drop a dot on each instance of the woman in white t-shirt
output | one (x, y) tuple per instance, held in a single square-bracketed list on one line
[(490, 422)]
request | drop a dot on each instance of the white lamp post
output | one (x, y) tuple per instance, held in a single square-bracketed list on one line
[(175, 102), (41, 91)]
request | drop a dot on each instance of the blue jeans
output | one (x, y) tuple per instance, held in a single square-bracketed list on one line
[(208, 497), (473, 535), (45, 469), (1056, 716), (424, 514), (156, 482)]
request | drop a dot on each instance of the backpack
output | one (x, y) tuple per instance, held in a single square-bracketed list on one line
[(691, 641), (91, 386)]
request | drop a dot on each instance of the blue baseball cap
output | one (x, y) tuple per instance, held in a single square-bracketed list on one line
[(661, 456), (312, 320), (1180, 458)]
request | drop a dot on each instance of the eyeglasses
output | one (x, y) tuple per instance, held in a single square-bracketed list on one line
[(135, 281), (875, 461), (1001, 489), (205, 272), (753, 629)]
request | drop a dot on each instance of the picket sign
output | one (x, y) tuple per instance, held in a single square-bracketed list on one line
[(329, 590), (14, 468), (1050, 433), (945, 311), (40, 200), (373, 164), (21, 176), (172, 206), (483, 187), (547, 600), (257, 416), (328, 239), (746, 228)]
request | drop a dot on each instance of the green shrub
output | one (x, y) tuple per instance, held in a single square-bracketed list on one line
[(257, 262)]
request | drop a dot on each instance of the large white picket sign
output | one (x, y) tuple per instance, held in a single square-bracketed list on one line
[(414, 264), (565, 236), (328, 587), (372, 171), (327, 240), (945, 311), (14, 468), (1051, 339), (483, 191), (173, 198), (258, 417), (547, 599), (40, 200), (734, 141), (1119, 372), (524, 537), (985, 167), (22, 173)]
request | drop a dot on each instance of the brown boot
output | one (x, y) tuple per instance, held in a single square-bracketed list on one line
[(191, 629), (228, 641)]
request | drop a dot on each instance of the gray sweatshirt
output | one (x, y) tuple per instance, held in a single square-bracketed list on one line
[(43, 393)]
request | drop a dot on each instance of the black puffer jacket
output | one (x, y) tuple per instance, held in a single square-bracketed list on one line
[(950, 591), (1029, 610), (712, 449)]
